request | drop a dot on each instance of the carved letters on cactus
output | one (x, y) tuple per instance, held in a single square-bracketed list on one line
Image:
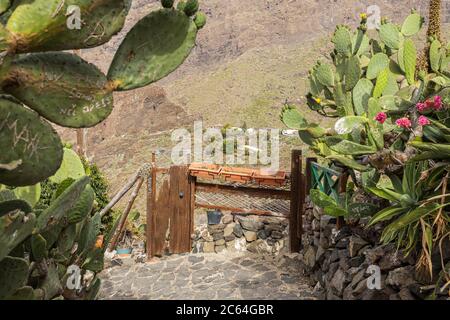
[(62, 87), (28, 139)]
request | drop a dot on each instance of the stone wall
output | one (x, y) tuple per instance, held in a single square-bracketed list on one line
[(257, 234), (340, 263)]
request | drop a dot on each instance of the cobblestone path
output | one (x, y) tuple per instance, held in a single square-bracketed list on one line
[(207, 276)]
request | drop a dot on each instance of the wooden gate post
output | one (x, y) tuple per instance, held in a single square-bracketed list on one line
[(151, 199), (295, 218), (340, 222)]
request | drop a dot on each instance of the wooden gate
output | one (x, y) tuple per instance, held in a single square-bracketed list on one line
[(169, 214), (171, 203)]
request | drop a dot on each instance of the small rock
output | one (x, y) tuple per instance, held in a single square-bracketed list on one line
[(401, 277), (355, 244), (230, 237), (259, 246), (309, 258), (208, 247), (276, 234), (405, 294), (374, 255), (262, 234), (250, 224), (228, 218), (220, 242), (206, 236), (338, 281), (217, 236), (356, 261), (228, 229), (220, 248), (250, 235), (237, 230)]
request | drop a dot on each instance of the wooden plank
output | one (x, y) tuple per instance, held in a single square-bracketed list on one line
[(295, 199), (180, 207), (160, 220), (193, 184), (240, 190), (340, 222), (242, 211)]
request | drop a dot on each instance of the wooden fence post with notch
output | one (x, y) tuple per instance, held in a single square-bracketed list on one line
[(295, 218), (151, 199)]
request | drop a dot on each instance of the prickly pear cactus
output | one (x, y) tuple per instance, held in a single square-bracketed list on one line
[(65, 89), (13, 275), (372, 86)]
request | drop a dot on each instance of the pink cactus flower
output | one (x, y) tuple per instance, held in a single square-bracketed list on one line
[(403, 123), (381, 117), (437, 103), (421, 107), (423, 121)]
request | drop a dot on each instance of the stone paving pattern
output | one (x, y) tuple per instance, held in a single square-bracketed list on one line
[(207, 276)]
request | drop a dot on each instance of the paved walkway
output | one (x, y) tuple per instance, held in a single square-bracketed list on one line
[(207, 276)]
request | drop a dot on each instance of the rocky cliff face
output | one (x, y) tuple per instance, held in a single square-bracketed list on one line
[(250, 58)]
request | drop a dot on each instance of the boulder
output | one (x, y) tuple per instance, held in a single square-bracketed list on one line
[(338, 281), (228, 229), (237, 230), (309, 257)]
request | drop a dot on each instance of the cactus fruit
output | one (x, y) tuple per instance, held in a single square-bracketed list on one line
[(167, 3), (165, 38), (57, 213), (30, 141), (181, 5), (71, 167), (13, 275), (191, 7), (14, 228), (200, 20), (76, 93)]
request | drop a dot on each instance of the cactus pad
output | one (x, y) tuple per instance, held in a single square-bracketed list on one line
[(83, 206), (167, 3), (324, 74), (10, 206), (361, 94), (412, 24), (164, 38), (352, 73), (61, 87), (382, 81), (410, 60), (4, 5), (435, 55), (57, 213), (13, 275), (342, 40), (71, 167), (30, 194), (379, 62), (390, 35), (30, 142), (14, 228), (42, 25), (38, 247)]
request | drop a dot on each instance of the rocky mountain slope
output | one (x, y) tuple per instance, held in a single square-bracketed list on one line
[(250, 58)]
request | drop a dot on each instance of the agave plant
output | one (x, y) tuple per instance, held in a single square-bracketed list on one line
[(370, 85), (38, 80), (418, 214)]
